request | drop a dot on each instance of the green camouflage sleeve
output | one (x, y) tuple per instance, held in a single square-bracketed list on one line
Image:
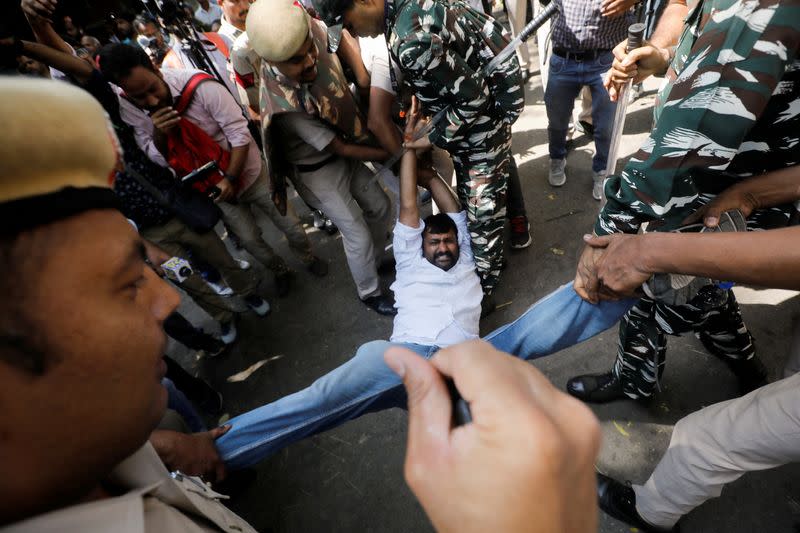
[(731, 68), (442, 78)]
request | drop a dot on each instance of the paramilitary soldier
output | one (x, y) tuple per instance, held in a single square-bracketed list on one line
[(442, 49)]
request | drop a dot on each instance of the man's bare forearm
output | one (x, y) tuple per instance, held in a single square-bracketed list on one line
[(380, 120), (52, 57), (360, 152), (409, 211), (44, 33), (670, 26), (759, 258), (444, 196), (772, 189)]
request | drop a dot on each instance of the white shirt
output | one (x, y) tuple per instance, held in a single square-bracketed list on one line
[(228, 32), (154, 502), (435, 307), (206, 18)]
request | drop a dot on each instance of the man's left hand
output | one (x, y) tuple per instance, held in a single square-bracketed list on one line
[(586, 282)]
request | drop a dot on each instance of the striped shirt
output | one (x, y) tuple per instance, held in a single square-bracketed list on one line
[(580, 26)]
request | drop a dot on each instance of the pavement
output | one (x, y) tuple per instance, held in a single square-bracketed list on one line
[(350, 478)]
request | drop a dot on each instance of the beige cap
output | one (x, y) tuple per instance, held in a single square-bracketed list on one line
[(277, 28), (54, 136)]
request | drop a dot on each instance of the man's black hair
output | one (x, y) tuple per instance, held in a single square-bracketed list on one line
[(440, 223), (117, 60), (331, 11)]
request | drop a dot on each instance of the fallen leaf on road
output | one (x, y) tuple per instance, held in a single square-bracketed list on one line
[(551, 196), (621, 429), (557, 251), (244, 374)]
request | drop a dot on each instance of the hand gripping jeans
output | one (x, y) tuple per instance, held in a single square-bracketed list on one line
[(365, 384)]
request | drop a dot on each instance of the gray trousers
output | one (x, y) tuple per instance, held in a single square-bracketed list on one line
[(346, 192), (717, 445), (176, 238), (241, 219)]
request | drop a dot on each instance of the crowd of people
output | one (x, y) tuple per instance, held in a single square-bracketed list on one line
[(188, 123)]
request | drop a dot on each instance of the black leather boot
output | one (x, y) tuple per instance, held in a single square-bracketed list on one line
[(619, 501), (596, 388)]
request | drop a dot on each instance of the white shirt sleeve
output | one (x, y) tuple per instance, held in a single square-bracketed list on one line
[(464, 240), (407, 244), (381, 76)]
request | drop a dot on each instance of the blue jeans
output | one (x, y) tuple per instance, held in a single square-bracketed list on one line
[(365, 384), (566, 79)]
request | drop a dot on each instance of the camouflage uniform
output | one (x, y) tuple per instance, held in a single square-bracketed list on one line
[(732, 110), (441, 49)]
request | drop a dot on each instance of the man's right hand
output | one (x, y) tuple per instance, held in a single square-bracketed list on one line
[(639, 64), (194, 454), (524, 463), (165, 119)]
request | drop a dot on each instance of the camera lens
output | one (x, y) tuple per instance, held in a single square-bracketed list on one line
[(185, 272)]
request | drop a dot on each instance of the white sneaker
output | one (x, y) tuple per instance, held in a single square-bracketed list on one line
[(220, 288), (557, 176), (243, 264), (598, 179), (228, 332)]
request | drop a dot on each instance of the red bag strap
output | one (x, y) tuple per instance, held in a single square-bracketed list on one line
[(187, 93)]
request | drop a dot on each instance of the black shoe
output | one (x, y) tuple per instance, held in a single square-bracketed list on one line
[(619, 501), (329, 227), (381, 304), (318, 267), (751, 373), (520, 232), (283, 282), (585, 127), (596, 388)]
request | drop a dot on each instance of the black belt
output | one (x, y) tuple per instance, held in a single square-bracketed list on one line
[(579, 55), (315, 166)]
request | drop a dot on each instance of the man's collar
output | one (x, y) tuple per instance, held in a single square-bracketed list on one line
[(224, 24)]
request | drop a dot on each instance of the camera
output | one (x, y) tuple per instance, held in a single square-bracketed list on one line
[(177, 269)]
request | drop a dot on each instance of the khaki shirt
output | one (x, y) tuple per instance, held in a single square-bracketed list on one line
[(155, 502)]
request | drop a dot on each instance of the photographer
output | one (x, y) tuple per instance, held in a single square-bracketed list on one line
[(147, 106)]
